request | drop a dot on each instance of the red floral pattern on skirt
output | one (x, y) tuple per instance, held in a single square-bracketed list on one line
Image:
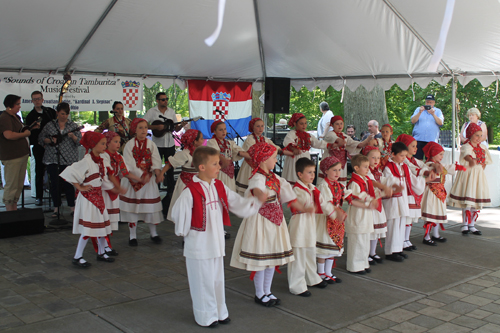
[(273, 212), (438, 190), (229, 170), (336, 231), (95, 197)]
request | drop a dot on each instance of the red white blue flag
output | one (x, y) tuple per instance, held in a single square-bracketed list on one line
[(227, 101)]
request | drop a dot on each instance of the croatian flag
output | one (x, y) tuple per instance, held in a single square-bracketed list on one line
[(233, 100)]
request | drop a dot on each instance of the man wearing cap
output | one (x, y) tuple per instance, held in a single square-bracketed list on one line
[(427, 120), (324, 123)]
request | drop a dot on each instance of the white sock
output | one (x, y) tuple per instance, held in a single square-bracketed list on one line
[(407, 235), (101, 244), (328, 267), (428, 236), (473, 220), (152, 229), (321, 268), (258, 281), (373, 247), (435, 231), (133, 230), (268, 280), (80, 247)]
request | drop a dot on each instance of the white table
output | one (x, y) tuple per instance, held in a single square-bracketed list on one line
[(492, 174)]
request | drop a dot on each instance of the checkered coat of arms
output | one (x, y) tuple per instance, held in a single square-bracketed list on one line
[(130, 93), (221, 103)]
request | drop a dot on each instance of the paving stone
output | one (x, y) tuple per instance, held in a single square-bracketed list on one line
[(398, 315), (110, 297), (488, 328), (138, 294), (468, 322), (59, 308), (449, 328), (86, 302), (10, 322), (13, 300), (480, 301), (430, 302), (67, 292), (468, 288), (492, 290), (344, 330), (460, 307), (443, 298), (408, 327), (482, 282), (414, 306), (361, 328), (30, 313), (426, 321), (478, 314), (378, 323), (493, 297), (438, 313), (492, 307), (494, 318)]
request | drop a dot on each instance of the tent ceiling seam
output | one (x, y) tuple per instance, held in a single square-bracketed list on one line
[(89, 36), (259, 39), (414, 32)]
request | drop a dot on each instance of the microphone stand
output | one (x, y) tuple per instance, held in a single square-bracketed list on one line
[(58, 221), (238, 137), (176, 137)]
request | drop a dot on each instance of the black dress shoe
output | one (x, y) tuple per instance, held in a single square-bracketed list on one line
[(363, 272), (440, 239), (38, 202), (337, 280), (368, 270), (267, 304), (372, 262), (429, 242), (225, 321), (276, 300), (465, 232), (477, 232), (111, 253), (132, 242), (394, 257), (156, 239), (377, 259), (306, 293), (413, 247), (408, 248), (80, 264), (327, 278), (101, 257), (227, 235), (214, 324), (401, 254), (321, 285)]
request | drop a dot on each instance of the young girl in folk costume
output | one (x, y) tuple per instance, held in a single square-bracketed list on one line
[(263, 242), (470, 190), (330, 232), (342, 145), (419, 169), (91, 218), (191, 140), (256, 127), (434, 198), (141, 202), (385, 144), (298, 141), (229, 152)]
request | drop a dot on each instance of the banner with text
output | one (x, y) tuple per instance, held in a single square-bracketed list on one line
[(86, 93)]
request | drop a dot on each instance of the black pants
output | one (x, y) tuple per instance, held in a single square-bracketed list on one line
[(38, 152), (55, 191), (420, 153), (166, 152)]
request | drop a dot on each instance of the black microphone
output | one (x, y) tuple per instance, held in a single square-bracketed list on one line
[(219, 112), (113, 112)]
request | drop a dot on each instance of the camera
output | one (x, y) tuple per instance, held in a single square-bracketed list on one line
[(427, 107)]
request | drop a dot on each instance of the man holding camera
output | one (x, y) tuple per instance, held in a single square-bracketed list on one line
[(427, 120)]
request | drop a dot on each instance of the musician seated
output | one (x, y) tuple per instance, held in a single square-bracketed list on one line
[(118, 124), (14, 151), (60, 138)]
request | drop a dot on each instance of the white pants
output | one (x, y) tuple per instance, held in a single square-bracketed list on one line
[(303, 271), (206, 285), (395, 235), (358, 250)]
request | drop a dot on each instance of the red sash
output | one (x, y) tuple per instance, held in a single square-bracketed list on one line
[(316, 195), (95, 197), (199, 214), (366, 186), (395, 171)]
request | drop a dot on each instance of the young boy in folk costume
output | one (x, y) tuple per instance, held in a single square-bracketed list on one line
[(434, 198), (298, 141), (359, 222), (470, 190), (385, 144), (256, 127), (199, 215), (142, 201), (191, 140), (91, 218), (229, 152), (330, 230), (342, 145), (397, 207), (263, 242), (302, 228)]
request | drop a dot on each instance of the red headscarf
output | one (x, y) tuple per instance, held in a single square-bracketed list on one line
[(133, 125), (471, 129), (294, 119), (259, 153), (90, 139), (388, 125), (251, 124), (109, 136), (214, 125), (368, 149), (334, 119), (432, 149), (326, 163), (189, 138), (406, 139)]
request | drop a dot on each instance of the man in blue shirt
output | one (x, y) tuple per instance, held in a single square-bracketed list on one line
[(427, 120)]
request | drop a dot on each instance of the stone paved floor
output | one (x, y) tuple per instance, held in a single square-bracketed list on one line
[(454, 287)]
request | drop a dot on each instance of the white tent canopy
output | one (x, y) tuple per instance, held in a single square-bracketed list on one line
[(313, 42)]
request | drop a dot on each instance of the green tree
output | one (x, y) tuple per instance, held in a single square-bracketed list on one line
[(177, 98)]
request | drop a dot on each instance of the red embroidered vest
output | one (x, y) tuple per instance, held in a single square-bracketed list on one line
[(199, 216)]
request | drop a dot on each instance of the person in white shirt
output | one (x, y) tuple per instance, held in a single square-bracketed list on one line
[(324, 123)]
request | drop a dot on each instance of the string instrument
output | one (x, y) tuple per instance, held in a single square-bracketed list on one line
[(169, 125), (31, 126), (59, 137)]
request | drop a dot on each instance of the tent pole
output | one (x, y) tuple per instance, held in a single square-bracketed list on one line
[(453, 117), (259, 38)]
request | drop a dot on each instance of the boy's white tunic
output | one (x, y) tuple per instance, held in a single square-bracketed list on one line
[(180, 159), (379, 218), (289, 166), (351, 146), (232, 154), (88, 220), (302, 227), (204, 250), (246, 170), (144, 204), (418, 187)]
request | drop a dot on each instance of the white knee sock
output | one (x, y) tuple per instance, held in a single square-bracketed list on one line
[(133, 230), (152, 229), (321, 268), (268, 280), (373, 247), (80, 247), (258, 281), (435, 231), (407, 236), (101, 244), (473, 219), (328, 266)]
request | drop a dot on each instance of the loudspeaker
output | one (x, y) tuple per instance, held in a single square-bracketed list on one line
[(277, 95), (21, 222)]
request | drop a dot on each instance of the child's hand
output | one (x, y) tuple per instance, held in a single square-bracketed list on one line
[(85, 188), (119, 190), (472, 163), (260, 195), (388, 191), (295, 151), (397, 188), (340, 142), (432, 176), (309, 209), (341, 215), (374, 204), (159, 179)]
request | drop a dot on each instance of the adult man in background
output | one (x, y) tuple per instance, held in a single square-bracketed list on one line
[(324, 123), (427, 120), (47, 114), (372, 129), (351, 131)]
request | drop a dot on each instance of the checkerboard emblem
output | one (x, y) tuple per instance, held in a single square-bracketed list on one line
[(130, 93), (221, 103)]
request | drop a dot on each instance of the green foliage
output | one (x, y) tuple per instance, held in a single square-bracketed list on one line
[(177, 98)]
